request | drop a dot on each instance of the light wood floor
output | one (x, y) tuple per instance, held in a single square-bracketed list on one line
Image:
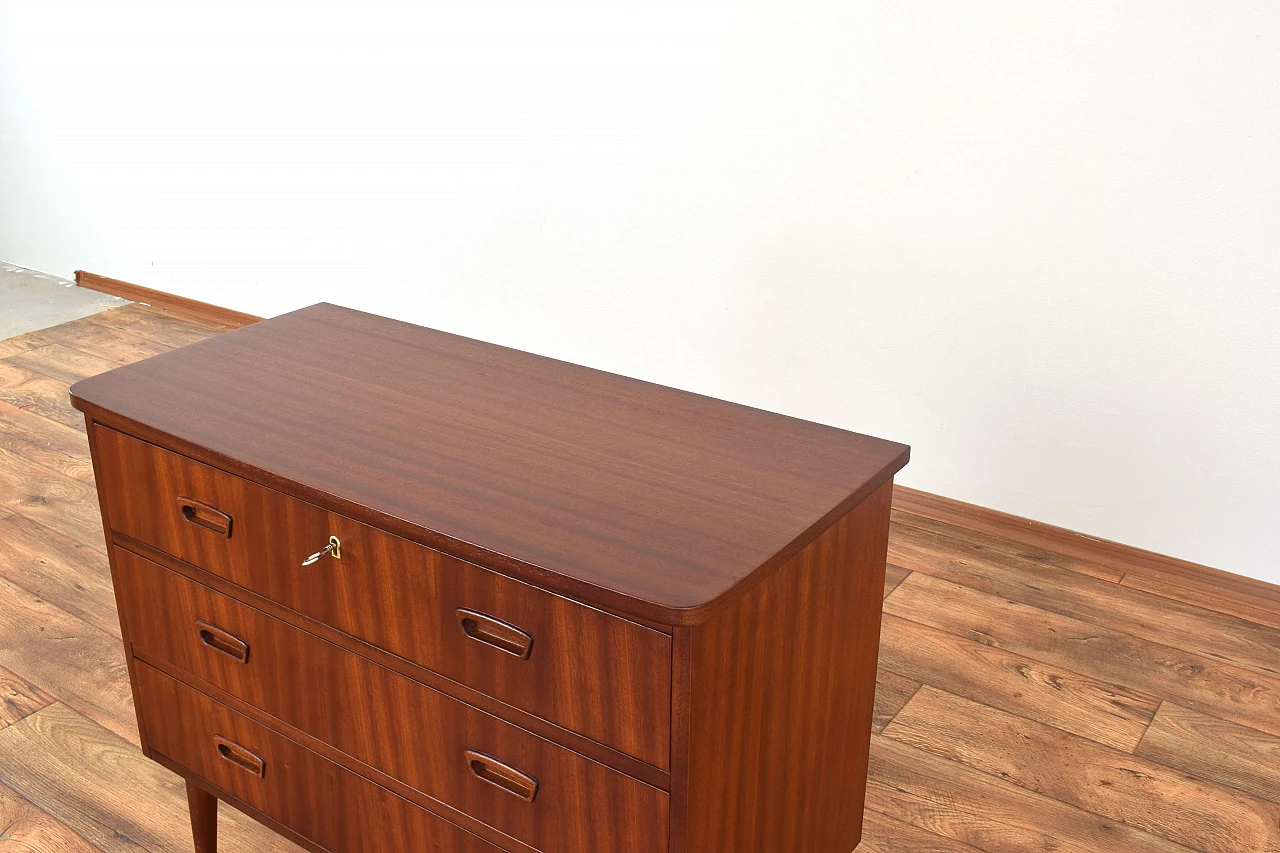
[(1038, 692)]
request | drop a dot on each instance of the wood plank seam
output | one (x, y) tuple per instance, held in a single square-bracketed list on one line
[(923, 687), (1146, 731), (897, 713)]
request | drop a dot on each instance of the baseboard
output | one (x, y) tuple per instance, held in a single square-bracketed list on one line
[(179, 305), (1127, 558)]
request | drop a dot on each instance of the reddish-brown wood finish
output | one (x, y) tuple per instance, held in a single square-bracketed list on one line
[(331, 807), (782, 685), (204, 818), (578, 743), (406, 591), (590, 672), (621, 493), (407, 730)]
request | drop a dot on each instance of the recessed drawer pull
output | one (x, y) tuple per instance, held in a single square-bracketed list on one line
[(203, 515), (240, 757), (495, 632), (220, 641), (503, 776)]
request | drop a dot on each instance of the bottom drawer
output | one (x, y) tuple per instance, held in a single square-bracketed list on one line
[(325, 803)]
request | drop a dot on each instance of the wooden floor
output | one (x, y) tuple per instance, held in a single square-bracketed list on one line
[(1038, 691)]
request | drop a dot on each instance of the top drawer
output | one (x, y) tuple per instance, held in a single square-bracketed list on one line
[(592, 673)]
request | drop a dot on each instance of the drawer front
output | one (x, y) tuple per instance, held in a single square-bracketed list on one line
[(325, 803), (525, 786), (585, 670)]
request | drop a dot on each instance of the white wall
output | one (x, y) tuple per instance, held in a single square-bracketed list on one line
[(1039, 241)]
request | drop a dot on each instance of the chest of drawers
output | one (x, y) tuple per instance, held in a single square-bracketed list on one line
[(388, 589)]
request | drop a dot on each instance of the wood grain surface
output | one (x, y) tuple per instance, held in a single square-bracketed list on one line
[(63, 363), (405, 729), (781, 683), (1214, 731), (10, 347), (333, 807), (73, 577), (589, 672), (1069, 544), (104, 789), (624, 494), (37, 393), (19, 698), (1214, 749), (114, 345), (26, 829), (1113, 783), (1226, 638), (23, 433)]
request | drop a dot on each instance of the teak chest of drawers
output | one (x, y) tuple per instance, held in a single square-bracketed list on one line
[(389, 589)]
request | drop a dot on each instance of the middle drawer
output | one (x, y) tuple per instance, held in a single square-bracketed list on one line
[(522, 785)]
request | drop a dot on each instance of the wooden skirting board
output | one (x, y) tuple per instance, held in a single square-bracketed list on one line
[(171, 303), (1135, 561)]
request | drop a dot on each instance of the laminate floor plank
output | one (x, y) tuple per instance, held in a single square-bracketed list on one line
[(19, 698), (1069, 769), (892, 693), (56, 501), (112, 344), (49, 443), (1102, 711), (893, 575), (61, 362), (1213, 749), (159, 327), (1042, 556), (26, 829), (22, 343), (1242, 696), (1069, 543), (1173, 623), (883, 834), (954, 801), (102, 787), (66, 657), (73, 577), (38, 393), (147, 315), (1260, 612)]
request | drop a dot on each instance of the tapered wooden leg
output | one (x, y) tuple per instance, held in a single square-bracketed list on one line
[(204, 818)]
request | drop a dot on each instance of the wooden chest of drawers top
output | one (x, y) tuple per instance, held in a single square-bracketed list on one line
[(647, 501)]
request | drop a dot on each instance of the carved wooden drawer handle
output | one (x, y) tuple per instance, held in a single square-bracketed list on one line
[(240, 757), (220, 641), (495, 632), (203, 515), (502, 775)]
